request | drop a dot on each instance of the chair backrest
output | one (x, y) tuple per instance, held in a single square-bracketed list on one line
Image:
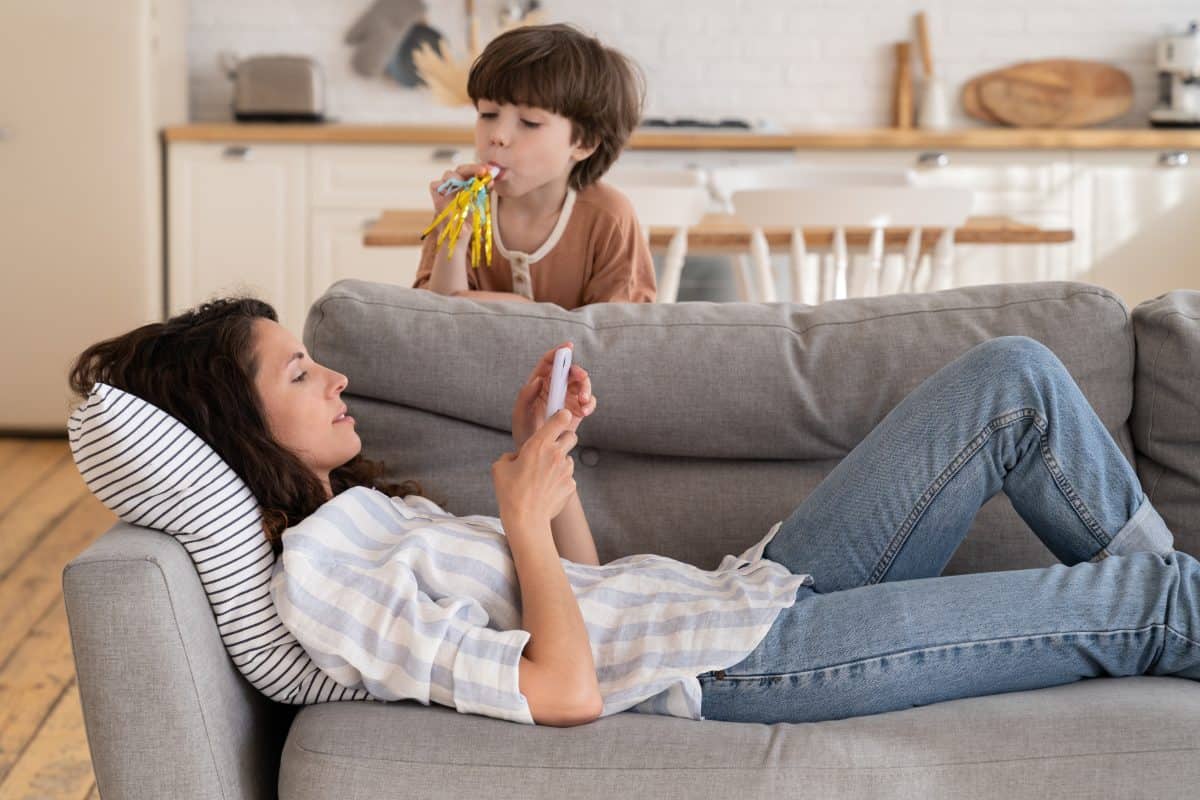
[(662, 196), (843, 207), (854, 206), (668, 206), (623, 174), (725, 181)]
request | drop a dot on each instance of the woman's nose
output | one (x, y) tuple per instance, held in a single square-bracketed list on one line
[(339, 382)]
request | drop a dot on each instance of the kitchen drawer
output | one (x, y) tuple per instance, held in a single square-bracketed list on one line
[(1005, 183), (378, 176), (237, 222)]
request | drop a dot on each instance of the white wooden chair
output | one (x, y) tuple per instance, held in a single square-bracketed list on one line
[(665, 198), (724, 182), (840, 207)]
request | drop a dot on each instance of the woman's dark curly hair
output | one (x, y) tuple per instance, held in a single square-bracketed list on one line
[(200, 367)]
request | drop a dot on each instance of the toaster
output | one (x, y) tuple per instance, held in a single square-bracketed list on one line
[(278, 88)]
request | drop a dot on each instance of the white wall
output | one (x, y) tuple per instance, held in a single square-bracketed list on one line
[(798, 63)]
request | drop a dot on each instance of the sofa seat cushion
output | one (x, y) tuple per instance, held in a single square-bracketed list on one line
[(1111, 737)]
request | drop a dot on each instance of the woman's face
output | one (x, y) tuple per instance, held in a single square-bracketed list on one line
[(302, 401)]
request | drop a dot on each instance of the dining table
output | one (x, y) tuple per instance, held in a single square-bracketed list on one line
[(719, 232)]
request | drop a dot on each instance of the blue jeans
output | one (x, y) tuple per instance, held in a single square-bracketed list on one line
[(879, 631)]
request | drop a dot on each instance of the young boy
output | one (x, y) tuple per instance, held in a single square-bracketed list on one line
[(555, 109)]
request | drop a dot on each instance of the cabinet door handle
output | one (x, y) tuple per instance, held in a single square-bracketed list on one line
[(1177, 158), (444, 154), (368, 222), (237, 152), (933, 160)]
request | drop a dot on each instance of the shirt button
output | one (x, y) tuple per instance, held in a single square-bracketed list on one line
[(589, 456)]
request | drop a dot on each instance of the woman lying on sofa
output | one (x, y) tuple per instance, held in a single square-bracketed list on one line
[(514, 617)]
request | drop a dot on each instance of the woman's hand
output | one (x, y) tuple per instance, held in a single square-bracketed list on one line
[(529, 411), (536, 482)]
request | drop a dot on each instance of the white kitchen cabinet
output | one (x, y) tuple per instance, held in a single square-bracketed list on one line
[(1136, 221), (375, 177), (337, 252), (284, 221), (348, 188), (238, 223)]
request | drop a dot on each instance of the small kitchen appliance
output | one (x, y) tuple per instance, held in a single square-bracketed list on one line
[(1178, 81), (277, 88)]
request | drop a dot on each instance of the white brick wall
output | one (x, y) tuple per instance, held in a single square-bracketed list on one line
[(796, 63)]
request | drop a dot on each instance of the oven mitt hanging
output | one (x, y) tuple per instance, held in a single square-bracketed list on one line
[(402, 67), (377, 33)]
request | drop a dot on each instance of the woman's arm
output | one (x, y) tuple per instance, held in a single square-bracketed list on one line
[(573, 536), (557, 673)]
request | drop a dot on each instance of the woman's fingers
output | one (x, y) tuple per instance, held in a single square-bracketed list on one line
[(582, 385), (546, 362), (545, 365)]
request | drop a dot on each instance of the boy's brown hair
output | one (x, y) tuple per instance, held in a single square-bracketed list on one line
[(563, 70)]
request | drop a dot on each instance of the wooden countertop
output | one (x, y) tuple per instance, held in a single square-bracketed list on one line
[(981, 138), (721, 233)]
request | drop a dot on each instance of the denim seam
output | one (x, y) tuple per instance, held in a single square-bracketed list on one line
[(914, 516), (942, 647), (1064, 485)]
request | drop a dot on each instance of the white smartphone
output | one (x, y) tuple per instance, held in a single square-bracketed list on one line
[(558, 381)]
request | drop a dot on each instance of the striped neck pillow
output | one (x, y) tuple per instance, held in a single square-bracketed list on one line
[(151, 470)]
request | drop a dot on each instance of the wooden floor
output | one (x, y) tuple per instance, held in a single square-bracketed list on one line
[(47, 517)]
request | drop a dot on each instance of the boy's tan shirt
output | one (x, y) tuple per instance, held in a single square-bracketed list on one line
[(595, 254)]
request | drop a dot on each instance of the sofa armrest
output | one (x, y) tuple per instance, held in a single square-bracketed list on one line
[(167, 713)]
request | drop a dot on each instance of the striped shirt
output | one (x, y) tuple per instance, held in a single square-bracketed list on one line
[(405, 601)]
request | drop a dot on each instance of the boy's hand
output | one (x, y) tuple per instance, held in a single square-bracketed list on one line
[(529, 411), (536, 482), (462, 171)]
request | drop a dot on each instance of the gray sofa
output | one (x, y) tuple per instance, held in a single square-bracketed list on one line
[(714, 421)]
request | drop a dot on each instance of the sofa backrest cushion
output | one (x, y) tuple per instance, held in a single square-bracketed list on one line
[(1166, 410), (151, 470), (714, 420)]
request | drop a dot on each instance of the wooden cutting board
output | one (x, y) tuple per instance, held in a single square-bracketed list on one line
[(1055, 93)]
